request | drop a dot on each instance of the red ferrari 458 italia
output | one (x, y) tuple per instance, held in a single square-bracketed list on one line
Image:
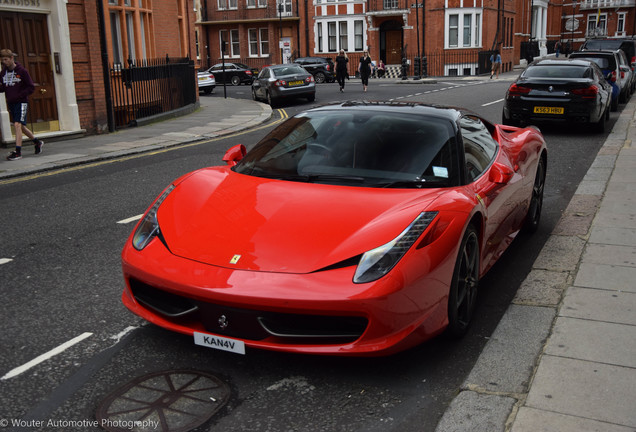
[(356, 229)]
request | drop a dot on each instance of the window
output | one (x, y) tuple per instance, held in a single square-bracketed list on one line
[(227, 4), (390, 4), (130, 23), (236, 46), (264, 42), (463, 28), (331, 35), (479, 146), (359, 36), (597, 24), (251, 3), (253, 42), (319, 47), (262, 3), (223, 38), (620, 26), (343, 36)]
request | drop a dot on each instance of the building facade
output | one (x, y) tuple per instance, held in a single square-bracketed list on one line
[(70, 46)]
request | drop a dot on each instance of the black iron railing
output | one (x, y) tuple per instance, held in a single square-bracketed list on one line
[(150, 87)]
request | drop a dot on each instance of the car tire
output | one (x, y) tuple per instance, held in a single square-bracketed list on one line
[(599, 126), (254, 94), (614, 105), (270, 100), (508, 122), (319, 77), (235, 80), (462, 295), (208, 90), (533, 217)]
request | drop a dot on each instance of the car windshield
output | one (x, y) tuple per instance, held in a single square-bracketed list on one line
[(288, 70), (362, 148), (557, 71), (241, 65)]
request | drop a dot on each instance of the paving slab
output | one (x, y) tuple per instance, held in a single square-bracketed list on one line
[(534, 420), (614, 236), (610, 255), (593, 341), (600, 305), (584, 389), (603, 276)]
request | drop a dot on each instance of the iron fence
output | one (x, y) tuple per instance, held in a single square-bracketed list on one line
[(150, 87)]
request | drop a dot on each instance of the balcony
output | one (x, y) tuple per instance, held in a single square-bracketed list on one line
[(606, 4)]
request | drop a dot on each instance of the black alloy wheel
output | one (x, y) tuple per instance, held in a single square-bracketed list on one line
[(254, 94), (463, 290), (320, 78), (536, 201), (236, 80)]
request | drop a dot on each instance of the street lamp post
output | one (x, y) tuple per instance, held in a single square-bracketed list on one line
[(280, 28), (418, 72)]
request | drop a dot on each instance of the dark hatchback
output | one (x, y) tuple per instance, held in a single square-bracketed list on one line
[(559, 90), (321, 68), (235, 73)]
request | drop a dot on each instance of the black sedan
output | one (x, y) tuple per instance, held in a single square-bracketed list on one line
[(559, 90), (234, 73), (287, 81)]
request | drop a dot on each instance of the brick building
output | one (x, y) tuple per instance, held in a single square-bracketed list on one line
[(69, 46)]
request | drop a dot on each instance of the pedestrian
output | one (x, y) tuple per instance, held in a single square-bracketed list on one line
[(342, 69), (381, 69), (495, 60), (365, 69), (557, 48), (17, 85)]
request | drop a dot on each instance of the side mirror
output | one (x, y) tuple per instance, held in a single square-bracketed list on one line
[(235, 154), (500, 173)]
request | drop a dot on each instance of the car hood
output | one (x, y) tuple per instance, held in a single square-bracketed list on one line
[(223, 218)]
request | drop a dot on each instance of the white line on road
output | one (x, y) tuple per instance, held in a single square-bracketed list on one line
[(55, 351), (5, 260), (492, 103), (130, 219)]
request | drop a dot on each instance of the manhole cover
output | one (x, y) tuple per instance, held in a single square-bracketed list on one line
[(169, 401)]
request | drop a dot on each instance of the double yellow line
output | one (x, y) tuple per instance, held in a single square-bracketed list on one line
[(282, 115)]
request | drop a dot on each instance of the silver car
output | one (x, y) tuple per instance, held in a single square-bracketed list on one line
[(278, 82)]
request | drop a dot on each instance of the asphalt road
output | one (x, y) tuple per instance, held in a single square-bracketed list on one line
[(65, 233)]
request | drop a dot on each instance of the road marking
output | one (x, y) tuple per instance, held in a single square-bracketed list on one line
[(5, 260), (492, 103), (130, 219), (36, 361)]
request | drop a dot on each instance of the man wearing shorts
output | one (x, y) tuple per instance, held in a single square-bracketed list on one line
[(17, 85)]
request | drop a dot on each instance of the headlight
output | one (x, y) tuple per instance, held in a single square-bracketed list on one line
[(377, 262), (149, 226)]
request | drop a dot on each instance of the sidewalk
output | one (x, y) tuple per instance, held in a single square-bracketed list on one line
[(563, 357), (215, 117)]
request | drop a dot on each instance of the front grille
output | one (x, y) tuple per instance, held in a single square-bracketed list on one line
[(249, 324)]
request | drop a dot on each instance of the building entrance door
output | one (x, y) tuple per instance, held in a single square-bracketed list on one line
[(393, 47), (27, 35)]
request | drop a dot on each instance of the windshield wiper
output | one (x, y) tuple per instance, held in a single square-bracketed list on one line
[(416, 182), (309, 178)]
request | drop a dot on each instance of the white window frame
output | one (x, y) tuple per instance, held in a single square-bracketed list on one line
[(343, 38), (130, 35), (118, 49), (620, 23), (475, 30), (347, 34), (262, 3), (591, 24), (319, 47), (358, 35), (250, 4), (235, 43), (263, 43), (332, 36), (252, 35)]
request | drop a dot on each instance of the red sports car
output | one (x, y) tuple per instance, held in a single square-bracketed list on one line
[(356, 229)]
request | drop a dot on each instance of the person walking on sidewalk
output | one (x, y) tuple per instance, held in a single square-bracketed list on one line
[(17, 85), (365, 69), (342, 69), (495, 59)]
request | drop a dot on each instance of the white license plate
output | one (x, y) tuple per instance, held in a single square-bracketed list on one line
[(220, 343)]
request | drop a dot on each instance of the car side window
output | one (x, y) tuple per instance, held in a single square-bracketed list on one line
[(479, 146)]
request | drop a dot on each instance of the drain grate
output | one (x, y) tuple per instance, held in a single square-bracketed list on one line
[(168, 401)]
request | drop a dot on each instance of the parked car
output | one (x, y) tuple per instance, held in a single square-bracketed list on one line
[(286, 81), (610, 63), (627, 45), (321, 68), (235, 73), (206, 81), (361, 228), (559, 90)]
